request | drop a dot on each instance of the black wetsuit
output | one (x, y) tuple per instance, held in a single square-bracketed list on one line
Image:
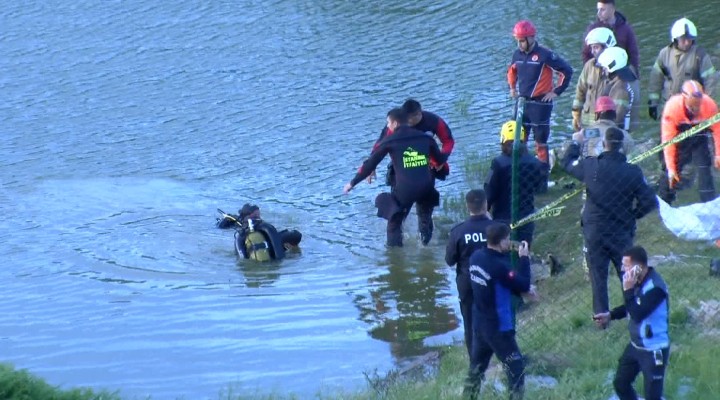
[(410, 151)]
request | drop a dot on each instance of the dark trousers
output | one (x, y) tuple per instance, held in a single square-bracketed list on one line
[(424, 211), (694, 149), (601, 248), (536, 119), (487, 342), (462, 280), (631, 363)]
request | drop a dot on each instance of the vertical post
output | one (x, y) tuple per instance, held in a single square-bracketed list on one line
[(515, 180)]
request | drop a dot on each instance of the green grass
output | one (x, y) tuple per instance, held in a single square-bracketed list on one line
[(21, 385)]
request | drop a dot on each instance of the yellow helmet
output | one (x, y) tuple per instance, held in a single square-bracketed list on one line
[(507, 132)]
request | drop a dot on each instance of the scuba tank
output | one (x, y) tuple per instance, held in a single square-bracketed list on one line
[(257, 247)]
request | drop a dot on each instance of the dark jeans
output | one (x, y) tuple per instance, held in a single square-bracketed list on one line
[(462, 280), (631, 363), (601, 248), (693, 149), (486, 343)]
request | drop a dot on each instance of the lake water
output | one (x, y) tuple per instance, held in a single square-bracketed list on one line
[(124, 125)]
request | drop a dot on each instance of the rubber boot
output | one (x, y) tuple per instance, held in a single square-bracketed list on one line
[(541, 152)]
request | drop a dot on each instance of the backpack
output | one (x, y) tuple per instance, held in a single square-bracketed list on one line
[(257, 246)]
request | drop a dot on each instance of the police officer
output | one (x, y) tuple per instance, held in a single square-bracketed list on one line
[(532, 174), (410, 152), (617, 195), (465, 238), (493, 282), (683, 111), (677, 62), (646, 303)]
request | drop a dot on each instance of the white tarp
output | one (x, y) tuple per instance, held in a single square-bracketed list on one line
[(700, 221)]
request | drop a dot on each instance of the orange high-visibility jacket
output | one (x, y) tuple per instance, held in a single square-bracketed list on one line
[(674, 115)]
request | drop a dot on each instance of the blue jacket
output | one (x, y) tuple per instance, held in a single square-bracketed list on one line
[(493, 284), (533, 72), (648, 307)]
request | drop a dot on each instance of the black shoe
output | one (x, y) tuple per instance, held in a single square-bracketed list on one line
[(425, 237)]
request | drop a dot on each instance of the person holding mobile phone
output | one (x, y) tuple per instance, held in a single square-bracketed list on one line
[(646, 303), (465, 238), (493, 283)]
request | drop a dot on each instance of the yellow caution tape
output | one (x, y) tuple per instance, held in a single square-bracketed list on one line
[(549, 209)]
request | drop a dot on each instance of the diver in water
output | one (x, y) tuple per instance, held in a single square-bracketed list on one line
[(256, 239)]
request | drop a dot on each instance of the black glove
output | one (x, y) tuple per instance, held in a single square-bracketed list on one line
[(652, 112)]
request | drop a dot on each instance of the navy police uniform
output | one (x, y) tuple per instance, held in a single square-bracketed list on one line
[(466, 238), (494, 283), (533, 175)]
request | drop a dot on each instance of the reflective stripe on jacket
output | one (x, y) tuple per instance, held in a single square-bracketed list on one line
[(673, 67)]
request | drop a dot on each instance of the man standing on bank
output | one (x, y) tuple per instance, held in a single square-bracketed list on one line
[(465, 238), (530, 75), (677, 62), (609, 17), (646, 303), (617, 196), (410, 151), (532, 175), (493, 283)]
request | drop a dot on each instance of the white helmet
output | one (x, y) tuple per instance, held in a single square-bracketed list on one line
[(683, 27), (613, 59), (602, 36)]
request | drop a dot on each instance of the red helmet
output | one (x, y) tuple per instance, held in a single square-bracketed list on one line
[(604, 103), (523, 29)]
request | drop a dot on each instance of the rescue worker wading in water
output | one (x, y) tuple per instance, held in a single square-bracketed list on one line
[(410, 151)]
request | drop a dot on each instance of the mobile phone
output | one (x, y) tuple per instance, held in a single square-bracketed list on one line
[(514, 245), (635, 271), (658, 356)]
